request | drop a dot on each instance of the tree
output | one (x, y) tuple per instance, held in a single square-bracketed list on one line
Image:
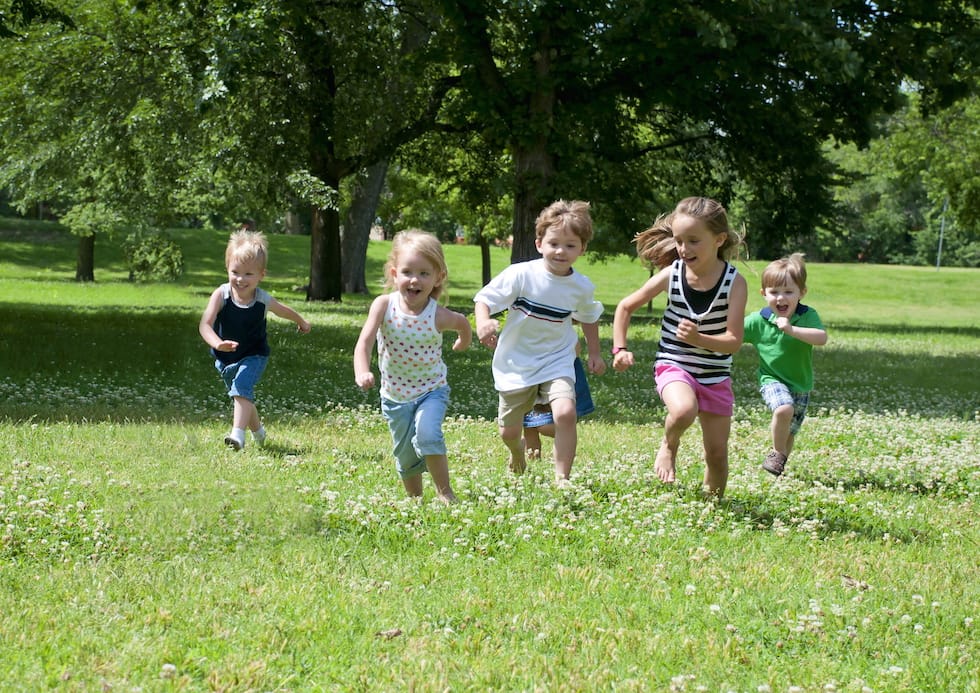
[(919, 173), (570, 88), (250, 105), (86, 140)]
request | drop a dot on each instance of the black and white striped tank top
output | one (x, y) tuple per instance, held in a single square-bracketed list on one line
[(707, 367)]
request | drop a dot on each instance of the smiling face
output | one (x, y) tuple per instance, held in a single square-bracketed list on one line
[(414, 277), (244, 276), (697, 246), (783, 299), (560, 248)]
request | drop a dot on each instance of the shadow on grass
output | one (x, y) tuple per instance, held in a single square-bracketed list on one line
[(58, 364)]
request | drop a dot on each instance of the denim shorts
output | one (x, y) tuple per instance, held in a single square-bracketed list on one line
[(416, 429), (241, 377), (776, 395)]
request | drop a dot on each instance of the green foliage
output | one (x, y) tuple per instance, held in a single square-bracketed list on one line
[(912, 181), (153, 257)]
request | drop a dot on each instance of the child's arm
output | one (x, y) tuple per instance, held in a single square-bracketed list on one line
[(284, 311), (810, 335), (206, 326), (486, 327), (596, 363), (363, 375), (731, 340), (655, 285), (451, 320)]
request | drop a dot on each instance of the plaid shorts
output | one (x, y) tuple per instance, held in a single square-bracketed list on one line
[(777, 395)]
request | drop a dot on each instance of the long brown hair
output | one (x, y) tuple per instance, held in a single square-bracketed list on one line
[(656, 246)]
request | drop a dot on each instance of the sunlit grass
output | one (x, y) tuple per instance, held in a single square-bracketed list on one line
[(139, 553)]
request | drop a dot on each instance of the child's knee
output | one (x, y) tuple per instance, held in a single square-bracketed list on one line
[(783, 413), (511, 433)]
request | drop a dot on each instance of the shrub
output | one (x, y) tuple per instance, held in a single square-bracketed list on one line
[(155, 257)]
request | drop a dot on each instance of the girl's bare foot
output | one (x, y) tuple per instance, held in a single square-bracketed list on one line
[(447, 498), (664, 465)]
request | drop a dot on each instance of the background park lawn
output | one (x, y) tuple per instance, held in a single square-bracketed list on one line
[(136, 552)]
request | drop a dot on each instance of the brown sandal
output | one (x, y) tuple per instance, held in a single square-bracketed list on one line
[(775, 462)]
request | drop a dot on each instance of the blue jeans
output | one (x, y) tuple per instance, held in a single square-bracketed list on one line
[(241, 377), (416, 429)]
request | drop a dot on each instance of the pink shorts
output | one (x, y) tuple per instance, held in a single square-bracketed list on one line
[(713, 399)]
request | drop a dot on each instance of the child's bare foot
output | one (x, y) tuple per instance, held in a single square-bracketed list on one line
[(563, 482), (447, 498), (517, 462), (664, 465)]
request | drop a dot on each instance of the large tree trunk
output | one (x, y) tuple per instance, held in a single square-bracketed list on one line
[(535, 170), (357, 229), (484, 242), (325, 256), (85, 264)]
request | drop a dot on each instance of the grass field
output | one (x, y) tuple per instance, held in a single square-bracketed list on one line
[(137, 553)]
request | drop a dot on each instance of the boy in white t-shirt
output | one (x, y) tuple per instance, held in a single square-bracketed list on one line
[(534, 354)]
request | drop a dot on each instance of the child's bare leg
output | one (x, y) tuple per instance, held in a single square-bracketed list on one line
[(782, 417), (438, 466), (682, 409), (715, 430), (532, 443), (511, 435), (413, 485), (246, 415), (566, 436)]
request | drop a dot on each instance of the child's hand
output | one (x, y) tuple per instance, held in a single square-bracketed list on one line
[(226, 345), (462, 344), (622, 361), (687, 330), (487, 332), (365, 381), (303, 326), (597, 365), (783, 323)]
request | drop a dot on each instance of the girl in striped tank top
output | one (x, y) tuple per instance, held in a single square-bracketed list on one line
[(700, 330)]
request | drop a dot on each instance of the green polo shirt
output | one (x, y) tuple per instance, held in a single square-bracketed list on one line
[(783, 358)]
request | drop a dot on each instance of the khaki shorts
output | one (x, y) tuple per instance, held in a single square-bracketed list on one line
[(514, 404)]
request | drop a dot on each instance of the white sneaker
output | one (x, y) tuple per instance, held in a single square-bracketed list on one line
[(259, 436), (234, 443)]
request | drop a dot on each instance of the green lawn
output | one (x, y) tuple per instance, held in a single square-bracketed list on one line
[(137, 553)]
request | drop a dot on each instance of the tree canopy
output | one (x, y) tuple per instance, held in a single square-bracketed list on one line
[(152, 110)]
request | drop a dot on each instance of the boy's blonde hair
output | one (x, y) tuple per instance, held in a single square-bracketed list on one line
[(426, 245), (656, 244), (246, 246), (572, 215), (785, 270)]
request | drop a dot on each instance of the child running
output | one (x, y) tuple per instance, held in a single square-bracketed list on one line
[(784, 333), (408, 324), (234, 326), (536, 352), (700, 330)]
